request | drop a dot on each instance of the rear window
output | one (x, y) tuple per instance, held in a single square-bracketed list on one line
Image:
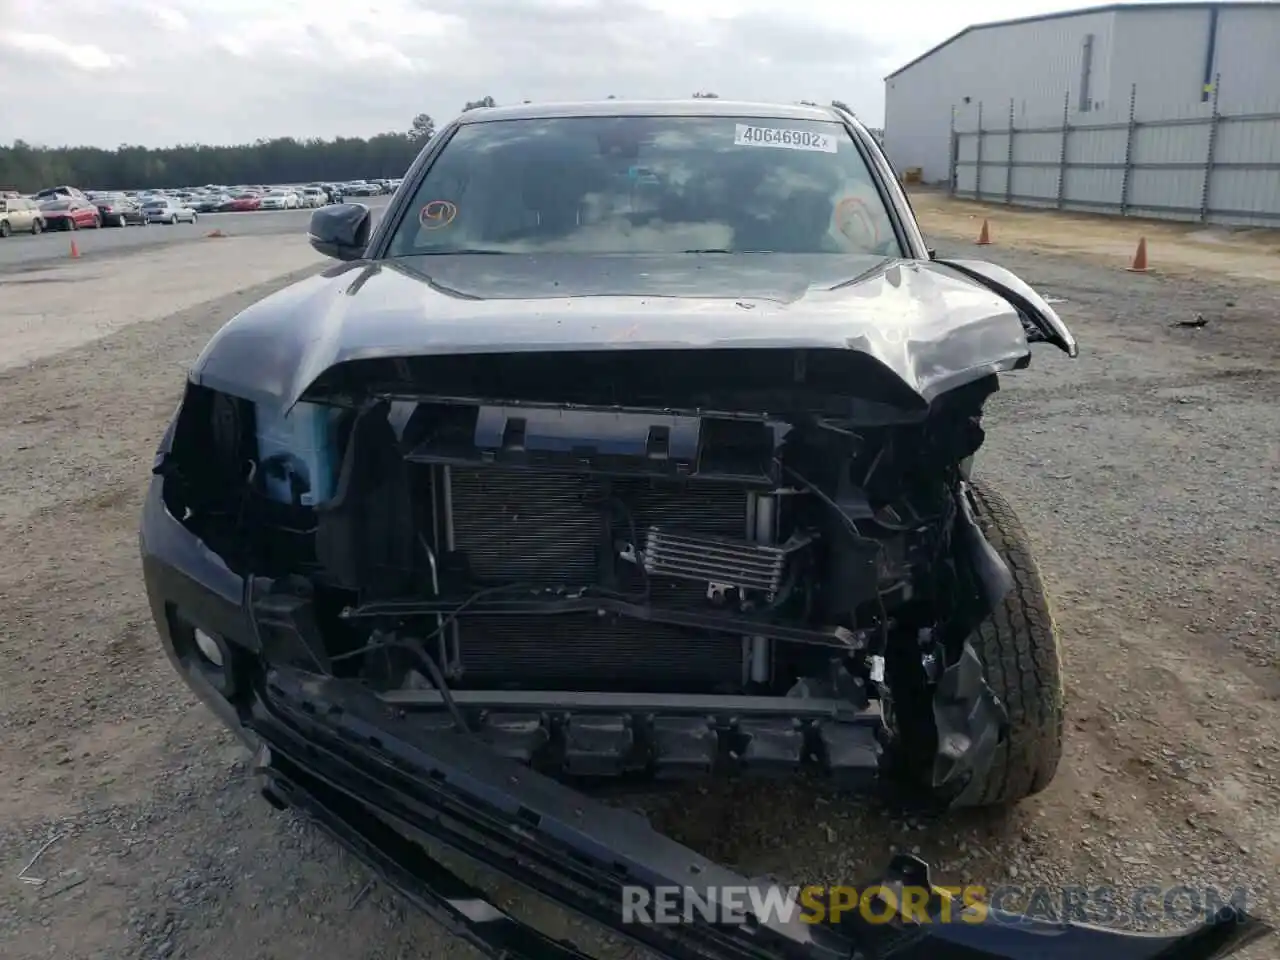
[(649, 185)]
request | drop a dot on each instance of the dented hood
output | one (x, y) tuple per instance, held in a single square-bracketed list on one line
[(934, 327)]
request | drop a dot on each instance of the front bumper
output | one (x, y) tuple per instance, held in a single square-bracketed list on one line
[(387, 786), (381, 787)]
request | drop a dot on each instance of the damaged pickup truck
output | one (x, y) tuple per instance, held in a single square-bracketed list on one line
[(635, 442)]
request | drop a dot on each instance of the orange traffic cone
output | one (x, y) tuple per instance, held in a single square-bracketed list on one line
[(75, 251), (1139, 264), (984, 237)]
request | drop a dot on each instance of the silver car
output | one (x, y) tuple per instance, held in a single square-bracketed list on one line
[(168, 210)]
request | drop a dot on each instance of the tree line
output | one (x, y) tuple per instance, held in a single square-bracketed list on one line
[(28, 168)]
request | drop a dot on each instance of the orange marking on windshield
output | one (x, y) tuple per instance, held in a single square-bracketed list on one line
[(849, 211), (437, 214)]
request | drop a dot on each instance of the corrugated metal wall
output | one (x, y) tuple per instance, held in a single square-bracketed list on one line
[(1031, 76), (1197, 163), (1037, 60)]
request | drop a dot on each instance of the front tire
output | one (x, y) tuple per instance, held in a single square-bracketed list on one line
[(173, 219), (37, 228), (5, 229), (1018, 647)]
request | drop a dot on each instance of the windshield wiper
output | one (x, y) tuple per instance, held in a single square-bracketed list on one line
[(457, 253)]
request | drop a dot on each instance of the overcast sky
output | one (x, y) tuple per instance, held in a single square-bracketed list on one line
[(153, 72)]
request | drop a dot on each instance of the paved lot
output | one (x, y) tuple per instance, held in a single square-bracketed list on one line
[(21, 251), (1146, 472)]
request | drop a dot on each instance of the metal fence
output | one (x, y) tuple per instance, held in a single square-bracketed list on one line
[(1206, 166)]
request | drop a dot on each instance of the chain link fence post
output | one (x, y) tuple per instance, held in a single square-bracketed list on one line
[(1008, 167), (977, 170), (954, 172), (1062, 149), (1214, 120), (1127, 183)]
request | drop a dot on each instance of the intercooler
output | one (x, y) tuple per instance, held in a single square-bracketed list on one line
[(549, 529)]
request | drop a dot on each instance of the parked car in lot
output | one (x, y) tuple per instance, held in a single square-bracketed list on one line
[(279, 200), (70, 213), (117, 210), (53, 193), (212, 202), (361, 188), (168, 210), (313, 197), (243, 203), (20, 215)]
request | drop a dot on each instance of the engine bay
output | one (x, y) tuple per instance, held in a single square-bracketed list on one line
[(539, 547)]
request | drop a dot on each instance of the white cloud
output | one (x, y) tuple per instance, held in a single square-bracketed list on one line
[(81, 56), (171, 20), (171, 71)]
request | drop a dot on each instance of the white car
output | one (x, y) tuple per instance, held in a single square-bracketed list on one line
[(313, 197), (279, 200), (168, 210)]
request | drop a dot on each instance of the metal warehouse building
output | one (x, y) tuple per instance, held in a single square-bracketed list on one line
[(1164, 63)]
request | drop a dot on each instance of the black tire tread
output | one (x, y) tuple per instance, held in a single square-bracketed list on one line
[(1018, 647)]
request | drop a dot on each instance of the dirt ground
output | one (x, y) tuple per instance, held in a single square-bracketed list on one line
[(1179, 249), (1146, 472)]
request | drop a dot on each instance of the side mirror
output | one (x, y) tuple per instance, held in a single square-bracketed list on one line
[(341, 230)]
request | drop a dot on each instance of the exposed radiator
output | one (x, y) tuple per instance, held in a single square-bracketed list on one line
[(546, 529)]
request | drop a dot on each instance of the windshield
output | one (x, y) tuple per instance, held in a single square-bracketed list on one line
[(648, 185)]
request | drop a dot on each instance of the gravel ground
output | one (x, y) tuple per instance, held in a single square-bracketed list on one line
[(56, 307), (1146, 472)]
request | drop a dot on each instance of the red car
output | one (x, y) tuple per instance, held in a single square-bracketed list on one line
[(243, 202), (70, 213)]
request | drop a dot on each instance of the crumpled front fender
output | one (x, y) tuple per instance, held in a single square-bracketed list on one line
[(1029, 304)]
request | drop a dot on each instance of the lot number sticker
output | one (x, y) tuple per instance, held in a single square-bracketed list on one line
[(748, 136)]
